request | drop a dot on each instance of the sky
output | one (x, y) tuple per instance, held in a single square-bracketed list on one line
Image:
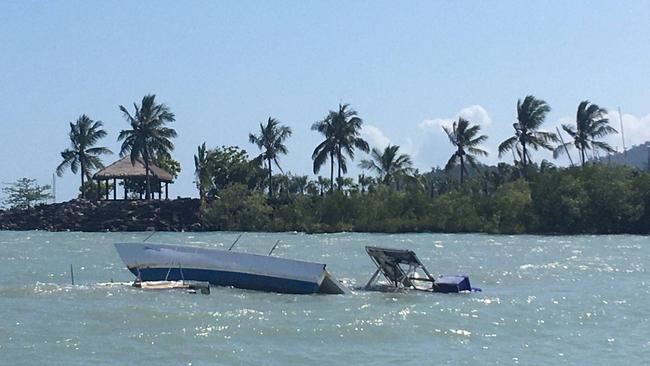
[(408, 68)]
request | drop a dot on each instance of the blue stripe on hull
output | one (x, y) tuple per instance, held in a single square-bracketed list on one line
[(223, 278)]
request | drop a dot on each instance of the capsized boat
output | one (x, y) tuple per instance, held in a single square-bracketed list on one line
[(162, 262), (403, 270)]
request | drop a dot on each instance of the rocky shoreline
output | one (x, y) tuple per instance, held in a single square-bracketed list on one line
[(84, 215)]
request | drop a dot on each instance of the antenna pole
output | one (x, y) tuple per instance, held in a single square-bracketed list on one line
[(563, 144), (150, 235), (620, 118), (235, 242), (276, 244)]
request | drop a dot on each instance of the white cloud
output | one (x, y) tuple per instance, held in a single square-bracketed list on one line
[(474, 113), (409, 147), (435, 124), (430, 147), (374, 136), (636, 129)]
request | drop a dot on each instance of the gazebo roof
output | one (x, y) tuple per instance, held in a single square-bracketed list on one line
[(123, 169)]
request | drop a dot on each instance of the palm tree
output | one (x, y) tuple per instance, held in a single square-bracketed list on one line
[(298, 184), (530, 116), (347, 127), (148, 138), (364, 182), (463, 137), (591, 124), (326, 149), (271, 142), (202, 171), (84, 134), (342, 131), (344, 182), (388, 164), (323, 184)]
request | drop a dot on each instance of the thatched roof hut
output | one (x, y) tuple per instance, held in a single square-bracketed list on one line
[(125, 169)]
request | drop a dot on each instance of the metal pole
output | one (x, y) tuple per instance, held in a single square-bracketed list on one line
[(236, 240), (620, 118), (276, 244), (373, 278), (71, 275), (150, 235)]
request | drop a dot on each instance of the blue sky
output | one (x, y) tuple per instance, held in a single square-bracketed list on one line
[(224, 67)]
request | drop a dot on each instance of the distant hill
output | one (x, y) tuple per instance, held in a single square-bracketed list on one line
[(638, 157)]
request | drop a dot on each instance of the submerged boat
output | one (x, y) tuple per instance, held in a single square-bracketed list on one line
[(190, 286), (161, 262), (403, 270)]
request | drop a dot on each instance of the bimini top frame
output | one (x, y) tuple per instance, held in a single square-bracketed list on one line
[(399, 266), (404, 270)]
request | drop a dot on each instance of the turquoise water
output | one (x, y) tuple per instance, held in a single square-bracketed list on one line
[(579, 300)]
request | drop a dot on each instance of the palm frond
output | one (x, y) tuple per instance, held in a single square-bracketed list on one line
[(451, 162), (476, 151), (507, 145)]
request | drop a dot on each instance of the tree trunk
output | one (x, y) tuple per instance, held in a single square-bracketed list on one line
[(582, 156), (338, 180), (523, 148), (83, 193), (462, 170), (270, 180), (147, 194), (331, 173)]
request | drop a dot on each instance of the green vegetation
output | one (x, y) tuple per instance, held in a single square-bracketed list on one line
[(463, 136), (242, 193), (520, 198), (531, 114), (84, 134), (593, 199), (25, 193), (388, 165), (148, 138), (342, 130), (591, 124), (271, 142)]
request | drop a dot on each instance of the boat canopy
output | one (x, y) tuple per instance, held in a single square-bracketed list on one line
[(403, 270)]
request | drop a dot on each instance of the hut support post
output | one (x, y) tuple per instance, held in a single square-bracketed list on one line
[(114, 189), (159, 190), (125, 195), (107, 189), (167, 190)]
